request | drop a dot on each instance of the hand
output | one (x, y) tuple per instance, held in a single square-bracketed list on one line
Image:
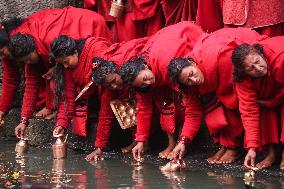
[(1, 117), (250, 159), (179, 151), (260, 103), (49, 74), (20, 130), (138, 150), (58, 131), (96, 154)]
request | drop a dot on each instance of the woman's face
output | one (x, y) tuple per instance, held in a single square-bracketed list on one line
[(255, 65), (70, 61), (145, 78), (113, 81), (191, 76)]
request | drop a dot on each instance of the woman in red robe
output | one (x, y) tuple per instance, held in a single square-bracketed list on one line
[(206, 79), (140, 18), (73, 73), (259, 77), (32, 47), (148, 75)]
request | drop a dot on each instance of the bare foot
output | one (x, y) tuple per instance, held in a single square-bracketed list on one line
[(43, 113), (230, 156), (166, 153), (128, 149), (282, 162), (268, 160), (50, 116), (213, 159)]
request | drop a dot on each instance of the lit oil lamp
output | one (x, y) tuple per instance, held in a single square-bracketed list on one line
[(59, 148)]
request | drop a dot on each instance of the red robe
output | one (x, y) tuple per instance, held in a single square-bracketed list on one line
[(158, 52), (76, 79), (142, 18), (177, 11), (45, 26), (117, 53), (213, 53), (262, 124)]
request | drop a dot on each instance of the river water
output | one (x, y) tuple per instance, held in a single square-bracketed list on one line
[(37, 170)]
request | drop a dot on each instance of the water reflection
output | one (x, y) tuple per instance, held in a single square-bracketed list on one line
[(176, 179)]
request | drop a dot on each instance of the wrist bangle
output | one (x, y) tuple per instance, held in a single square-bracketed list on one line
[(184, 140), (96, 148), (25, 121)]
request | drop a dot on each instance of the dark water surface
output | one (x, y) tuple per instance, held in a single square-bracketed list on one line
[(38, 170)]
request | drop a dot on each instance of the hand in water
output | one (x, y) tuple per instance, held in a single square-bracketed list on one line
[(178, 152), (137, 151), (20, 130), (95, 155), (58, 131), (250, 159)]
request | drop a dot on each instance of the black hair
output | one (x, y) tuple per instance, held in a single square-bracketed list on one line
[(7, 27), (238, 56), (176, 65), (66, 46), (131, 69), (103, 68), (21, 45), (60, 47)]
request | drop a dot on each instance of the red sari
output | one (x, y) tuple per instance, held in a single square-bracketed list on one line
[(45, 26), (77, 78), (158, 53), (212, 53), (262, 123)]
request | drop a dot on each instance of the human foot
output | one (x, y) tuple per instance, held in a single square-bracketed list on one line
[(230, 156), (166, 153), (268, 160), (128, 149), (50, 116), (217, 156), (43, 113)]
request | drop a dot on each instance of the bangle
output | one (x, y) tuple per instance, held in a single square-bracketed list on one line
[(96, 148), (25, 121), (184, 140), (253, 149)]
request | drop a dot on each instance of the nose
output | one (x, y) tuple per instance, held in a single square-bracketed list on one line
[(65, 65), (114, 86), (193, 79)]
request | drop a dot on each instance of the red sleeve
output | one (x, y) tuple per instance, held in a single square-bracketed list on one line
[(67, 105), (193, 115), (10, 82), (144, 116), (105, 119), (250, 112), (32, 85)]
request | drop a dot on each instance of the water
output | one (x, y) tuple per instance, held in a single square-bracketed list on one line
[(38, 170)]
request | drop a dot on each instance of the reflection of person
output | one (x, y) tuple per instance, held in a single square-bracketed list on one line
[(73, 72), (259, 77), (148, 75), (207, 82), (31, 47)]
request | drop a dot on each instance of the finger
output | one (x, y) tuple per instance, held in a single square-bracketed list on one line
[(139, 154), (134, 154), (180, 155), (246, 162), (252, 161)]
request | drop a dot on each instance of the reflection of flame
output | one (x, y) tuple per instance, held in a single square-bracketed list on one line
[(177, 179)]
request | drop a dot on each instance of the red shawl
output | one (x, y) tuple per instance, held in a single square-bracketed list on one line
[(213, 54), (76, 79)]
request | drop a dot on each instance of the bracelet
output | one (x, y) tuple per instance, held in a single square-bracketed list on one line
[(184, 140), (253, 149), (25, 121), (97, 148)]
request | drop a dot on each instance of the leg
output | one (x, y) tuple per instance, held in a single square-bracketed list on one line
[(269, 159), (172, 142)]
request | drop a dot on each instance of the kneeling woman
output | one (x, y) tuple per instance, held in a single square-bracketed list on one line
[(73, 72), (259, 77)]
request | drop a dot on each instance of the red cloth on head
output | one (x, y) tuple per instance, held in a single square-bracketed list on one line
[(76, 79), (270, 89), (212, 53), (45, 26)]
